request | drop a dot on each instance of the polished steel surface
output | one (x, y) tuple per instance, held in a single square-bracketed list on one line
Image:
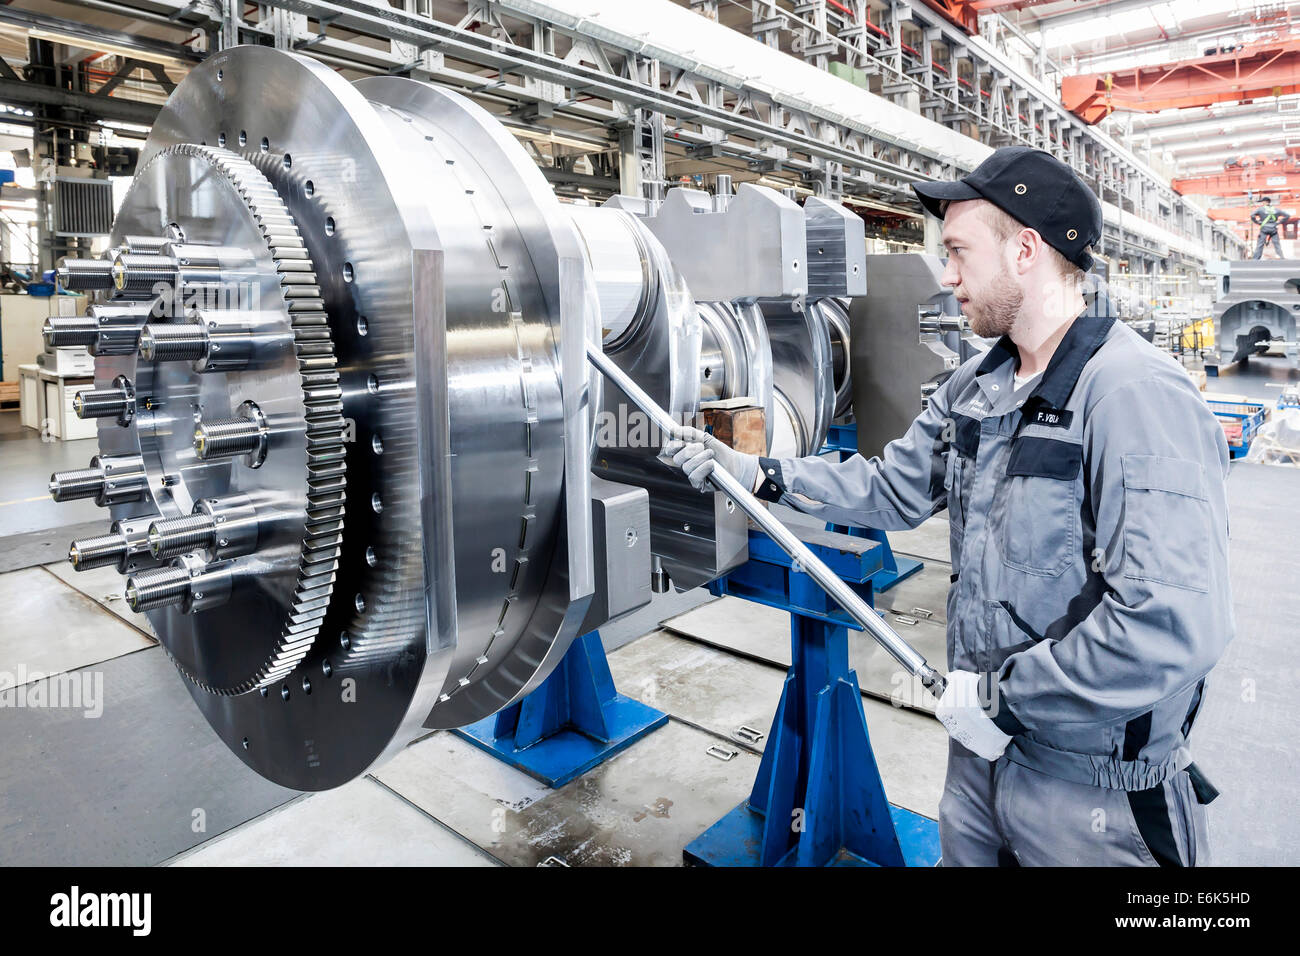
[(736, 356), (802, 377), (458, 296), (835, 314)]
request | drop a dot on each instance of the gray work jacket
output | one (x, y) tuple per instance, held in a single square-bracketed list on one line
[(1089, 544)]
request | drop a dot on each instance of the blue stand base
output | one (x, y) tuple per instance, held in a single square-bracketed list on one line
[(737, 840), (818, 799), (572, 722)]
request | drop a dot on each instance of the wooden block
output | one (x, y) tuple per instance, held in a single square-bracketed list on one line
[(9, 391), (743, 428)]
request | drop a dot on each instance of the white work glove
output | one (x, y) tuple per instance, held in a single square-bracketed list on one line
[(959, 710), (696, 457)]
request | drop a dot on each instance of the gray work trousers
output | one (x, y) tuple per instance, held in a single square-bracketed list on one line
[(1004, 814), (1263, 240)]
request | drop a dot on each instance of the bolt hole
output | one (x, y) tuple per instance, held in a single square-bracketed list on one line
[(306, 685), (221, 75), (363, 324), (221, 139), (326, 668), (371, 559), (265, 144), (287, 161), (284, 692), (372, 384), (360, 603), (796, 265), (348, 272), (243, 138), (345, 642), (376, 444), (245, 741), (309, 188), (708, 373), (376, 503), (329, 225), (265, 691)]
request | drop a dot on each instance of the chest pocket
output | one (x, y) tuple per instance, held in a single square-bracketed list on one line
[(1041, 527)]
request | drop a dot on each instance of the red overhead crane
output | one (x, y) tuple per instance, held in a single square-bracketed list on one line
[(1272, 178), (1267, 68)]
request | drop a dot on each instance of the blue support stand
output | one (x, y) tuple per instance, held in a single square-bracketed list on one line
[(573, 721), (818, 799), (844, 439)]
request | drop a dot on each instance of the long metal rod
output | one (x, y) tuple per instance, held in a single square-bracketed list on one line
[(858, 609)]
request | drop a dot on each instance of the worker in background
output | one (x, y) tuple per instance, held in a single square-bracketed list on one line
[(1084, 480), (1268, 217)]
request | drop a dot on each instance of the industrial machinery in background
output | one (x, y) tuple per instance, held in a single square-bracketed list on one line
[(348, 430), (904, 295), (1256, 312)]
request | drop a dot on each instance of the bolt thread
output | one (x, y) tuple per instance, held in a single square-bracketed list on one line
[(100, 403), (173, 536), (226, 438), (156, 588), (85, 275), (80, 483), (173, 343), (141, 272), (88, 553), (64, 330)]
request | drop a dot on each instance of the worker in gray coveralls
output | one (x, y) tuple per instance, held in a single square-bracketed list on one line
[(1084, 480), (1268, 217)]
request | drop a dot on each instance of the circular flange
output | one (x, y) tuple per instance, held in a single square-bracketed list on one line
[(418, 631), (278, 595)]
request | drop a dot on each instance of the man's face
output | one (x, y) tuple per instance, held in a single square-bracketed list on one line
[(978, 272)]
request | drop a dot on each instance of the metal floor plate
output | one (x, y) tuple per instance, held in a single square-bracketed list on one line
[(362, 823), (105, 587), (47, 627), (638, 809), (130, 788)]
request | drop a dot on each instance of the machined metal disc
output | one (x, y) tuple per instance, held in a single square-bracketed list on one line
[(278, 594), (465, 566)]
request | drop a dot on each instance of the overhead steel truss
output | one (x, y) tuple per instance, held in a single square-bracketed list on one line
[(550, 75), (967, 83)]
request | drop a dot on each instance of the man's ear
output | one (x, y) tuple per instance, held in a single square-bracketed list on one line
[(1028, 246)]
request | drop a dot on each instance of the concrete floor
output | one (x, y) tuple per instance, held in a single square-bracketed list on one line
[(133, 775)]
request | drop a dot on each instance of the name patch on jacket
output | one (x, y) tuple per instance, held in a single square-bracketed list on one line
[(1051, 417)]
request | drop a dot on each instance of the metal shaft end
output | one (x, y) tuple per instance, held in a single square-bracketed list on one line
[(85, 275), (159, 587), (101, 403), (60, 331), (87, 553)]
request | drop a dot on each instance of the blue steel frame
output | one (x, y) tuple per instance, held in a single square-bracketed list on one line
[(818, 799), (573, 721)]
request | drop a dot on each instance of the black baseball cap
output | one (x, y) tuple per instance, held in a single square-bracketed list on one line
[(1034, 188)]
